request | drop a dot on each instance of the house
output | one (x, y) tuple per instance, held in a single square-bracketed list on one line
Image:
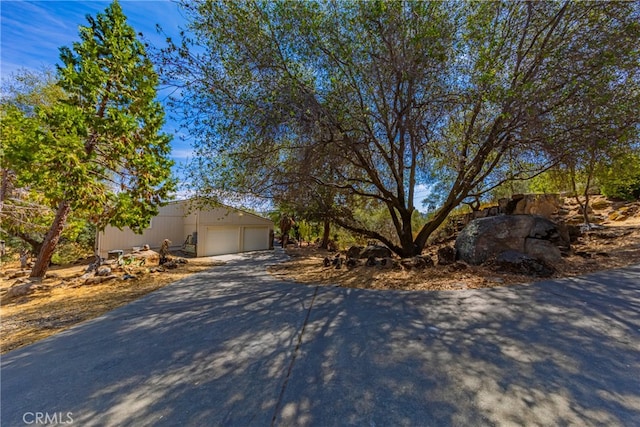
[(199, 231)]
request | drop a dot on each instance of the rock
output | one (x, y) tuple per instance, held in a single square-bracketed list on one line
[(428, 262), (352, 262), (375, 251), (99, 279), (354, 252), (617, 216), (446, 255), (19, 290), (542, 250), (103, 271), (170, 265), (417, 262), (457, 266), (146, 257), (388, 263), (519, 263), (601, 204), (485, 238)]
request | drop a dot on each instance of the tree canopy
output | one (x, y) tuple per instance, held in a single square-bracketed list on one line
[(369, 99)]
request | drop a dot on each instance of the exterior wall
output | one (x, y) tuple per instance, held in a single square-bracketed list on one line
[(163, 226), (175, 223)]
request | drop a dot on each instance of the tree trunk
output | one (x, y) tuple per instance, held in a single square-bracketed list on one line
[(584, 206), (409, 247), (51, 241), (4, 186), (325, 235), (36, 245), (431, 226)]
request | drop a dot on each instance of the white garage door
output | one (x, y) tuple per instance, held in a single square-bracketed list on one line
[(222, 240), (255, 238)]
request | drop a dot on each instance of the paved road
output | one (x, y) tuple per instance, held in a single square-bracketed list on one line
[(235, 347)]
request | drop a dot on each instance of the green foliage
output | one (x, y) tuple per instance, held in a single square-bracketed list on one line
[(108, 132), (97, 146), (69, 252), (555, 180), (621, 179)]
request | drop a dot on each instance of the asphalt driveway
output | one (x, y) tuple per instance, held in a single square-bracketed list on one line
[(233, 346)]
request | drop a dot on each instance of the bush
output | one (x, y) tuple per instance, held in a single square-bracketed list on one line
[(621, 179)]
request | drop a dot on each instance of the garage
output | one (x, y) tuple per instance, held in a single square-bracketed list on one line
[(222, 240), (194, 229), (255, 238)]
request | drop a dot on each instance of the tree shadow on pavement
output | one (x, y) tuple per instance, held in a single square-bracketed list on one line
[(553, 353), (233, 346)]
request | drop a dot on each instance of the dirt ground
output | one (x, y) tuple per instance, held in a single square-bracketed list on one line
[(59, 302)]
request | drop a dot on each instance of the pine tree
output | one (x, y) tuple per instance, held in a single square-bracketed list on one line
[(100, 151)]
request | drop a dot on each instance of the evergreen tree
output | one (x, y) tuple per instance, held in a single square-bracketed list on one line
[(100, 151)]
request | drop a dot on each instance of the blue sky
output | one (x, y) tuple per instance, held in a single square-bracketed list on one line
[(31, 32)]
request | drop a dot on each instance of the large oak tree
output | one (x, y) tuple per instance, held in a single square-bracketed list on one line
[(370, 99)]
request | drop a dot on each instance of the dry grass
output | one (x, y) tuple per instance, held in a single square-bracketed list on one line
[(306, 266), (58, 304)]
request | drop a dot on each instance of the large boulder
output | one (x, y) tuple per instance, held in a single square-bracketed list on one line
[(485, 238), (375, 251), (354, 252)]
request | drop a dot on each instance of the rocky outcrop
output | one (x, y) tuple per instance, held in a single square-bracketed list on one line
[(485, 238), (545, 205)]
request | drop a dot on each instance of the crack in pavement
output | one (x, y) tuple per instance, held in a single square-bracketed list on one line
[(293, 358)]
